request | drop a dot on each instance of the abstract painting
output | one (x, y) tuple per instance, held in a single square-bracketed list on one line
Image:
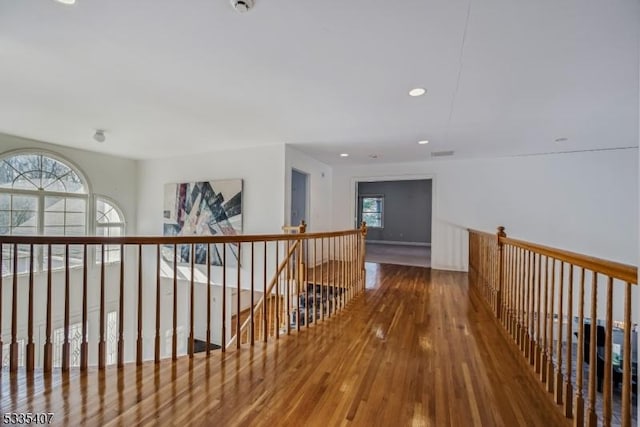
[(203, 208)]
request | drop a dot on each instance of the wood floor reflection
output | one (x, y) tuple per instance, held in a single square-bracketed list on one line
[(415, 349)]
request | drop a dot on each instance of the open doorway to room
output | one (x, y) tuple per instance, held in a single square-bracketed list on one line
[(299, 197), (398, 217)]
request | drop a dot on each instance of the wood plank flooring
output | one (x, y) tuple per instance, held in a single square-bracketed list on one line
[(416, 349)]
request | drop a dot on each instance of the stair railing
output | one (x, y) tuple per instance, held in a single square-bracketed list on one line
[(571, 317), (80, 301)]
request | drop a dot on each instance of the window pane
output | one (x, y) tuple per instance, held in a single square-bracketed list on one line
[(75, 204), (57, 257), (5, 219), (27, 167), (53, 167), (24, 231), (72, 183), (106, 212), (6, 353), (7, 175), (372, 204), (5, 202), (112, 231), (75, 219), (112, 337), (112, 252), (53, 183), (54, 204), (28, 203), (64, 211), (75, 231), (54, 230), (38, 172), (372, 219), (52, 171), (53, 219)]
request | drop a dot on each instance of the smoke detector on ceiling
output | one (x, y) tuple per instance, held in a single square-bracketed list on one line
[(99, 136), (242, 5)]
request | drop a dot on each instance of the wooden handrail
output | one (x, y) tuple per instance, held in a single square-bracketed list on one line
[(168, 240), (533, 296), (624, 272), (289, 229), (144, 277), (480, 232), (617, 270)]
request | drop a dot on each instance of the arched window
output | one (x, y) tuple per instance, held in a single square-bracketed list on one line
[(41, 194)]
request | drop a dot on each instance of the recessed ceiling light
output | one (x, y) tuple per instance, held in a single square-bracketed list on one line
[(423, 142), (66, 1), (418, 91), (561, 139), (344, 155)]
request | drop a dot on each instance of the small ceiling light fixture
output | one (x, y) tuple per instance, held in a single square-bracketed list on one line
[(99, 135), (423, 142), (68, 2), (561, 139), (418, 91), (344, 155), (242, 6)]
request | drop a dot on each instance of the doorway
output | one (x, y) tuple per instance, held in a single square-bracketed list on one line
[(398, 215), (299, 197)]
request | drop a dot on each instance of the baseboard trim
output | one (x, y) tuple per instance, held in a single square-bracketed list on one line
[(393, 242), (449, 268)]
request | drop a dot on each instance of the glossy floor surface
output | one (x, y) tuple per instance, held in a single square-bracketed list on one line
[(416, 256), (416, 349)]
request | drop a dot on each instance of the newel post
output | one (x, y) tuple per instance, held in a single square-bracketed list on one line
[(363, 248), (500, 234), (301, 258)]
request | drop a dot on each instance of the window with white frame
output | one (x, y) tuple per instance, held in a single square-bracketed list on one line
[(109, 223), (75, 345), (41, 194), (112, 337), (6, 353), (372, 210)]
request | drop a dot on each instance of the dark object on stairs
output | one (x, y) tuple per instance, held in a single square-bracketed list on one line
[(616, 376), (199, 346)]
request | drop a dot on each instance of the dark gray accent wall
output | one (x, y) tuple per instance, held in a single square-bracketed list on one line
[(407, 210), (298, 197)]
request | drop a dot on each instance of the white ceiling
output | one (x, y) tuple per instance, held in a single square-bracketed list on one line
[(165, 78)]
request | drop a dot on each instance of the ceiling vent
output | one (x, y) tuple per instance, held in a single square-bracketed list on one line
[(442, 153), (242, 5)]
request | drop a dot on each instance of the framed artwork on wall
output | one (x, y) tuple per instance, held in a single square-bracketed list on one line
[(203, 208)]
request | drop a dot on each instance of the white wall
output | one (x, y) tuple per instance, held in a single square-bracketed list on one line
[(260, 168), (585, 202), (320, 176)]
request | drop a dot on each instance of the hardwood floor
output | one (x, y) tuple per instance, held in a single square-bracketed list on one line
[(417, 256), (415, 349)]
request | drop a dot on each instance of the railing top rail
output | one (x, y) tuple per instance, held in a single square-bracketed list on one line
[(616, 270), (169, 240), (484, 233)]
